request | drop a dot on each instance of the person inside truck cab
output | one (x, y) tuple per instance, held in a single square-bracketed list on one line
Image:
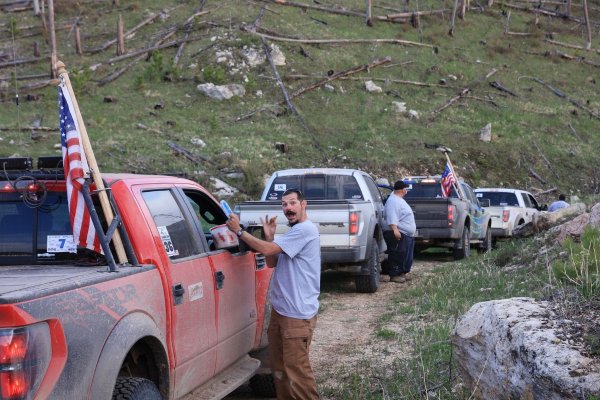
[(295, 288)]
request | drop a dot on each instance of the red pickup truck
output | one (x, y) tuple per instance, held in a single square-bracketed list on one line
[(179, 316)]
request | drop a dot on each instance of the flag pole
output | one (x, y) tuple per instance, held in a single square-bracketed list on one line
[(460, 191), (94, 170)]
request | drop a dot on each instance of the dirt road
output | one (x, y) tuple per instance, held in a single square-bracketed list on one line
[(347, 320)]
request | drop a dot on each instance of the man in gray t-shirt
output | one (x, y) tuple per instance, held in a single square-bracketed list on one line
[(399, 233), (295, 289)]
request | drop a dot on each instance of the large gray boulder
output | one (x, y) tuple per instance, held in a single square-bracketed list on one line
[(221, 92), (510, 349)]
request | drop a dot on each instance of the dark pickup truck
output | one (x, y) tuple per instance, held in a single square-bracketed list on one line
[(454, 223)]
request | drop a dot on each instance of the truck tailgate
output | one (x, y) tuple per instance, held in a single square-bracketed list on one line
[(332, 218), (22, 283), (430, 213)]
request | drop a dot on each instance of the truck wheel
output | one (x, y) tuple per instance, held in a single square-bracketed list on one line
[(486, 245), (135, 389), (263, 385), (462, 248), (370, 283)]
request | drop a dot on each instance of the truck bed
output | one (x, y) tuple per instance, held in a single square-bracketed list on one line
[(21, 283)]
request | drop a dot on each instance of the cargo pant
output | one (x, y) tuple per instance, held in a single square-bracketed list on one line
[(289, 343)]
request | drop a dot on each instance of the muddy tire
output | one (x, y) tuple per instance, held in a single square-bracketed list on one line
[(262, 385), (487, 244), (135, 389), (462, 248), (370, 283)]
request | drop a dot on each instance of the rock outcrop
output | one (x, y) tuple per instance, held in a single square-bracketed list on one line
[(510, 349)]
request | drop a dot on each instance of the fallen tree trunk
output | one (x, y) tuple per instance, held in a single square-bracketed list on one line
[(342, 74), (409, 15), (359, 78), (335, 41), (319, 8), (23, 61), (571, 46), (30, 128)]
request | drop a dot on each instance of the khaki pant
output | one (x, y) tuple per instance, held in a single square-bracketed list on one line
[(289, 343)]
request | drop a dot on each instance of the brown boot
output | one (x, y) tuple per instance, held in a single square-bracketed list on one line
[(398, 279)]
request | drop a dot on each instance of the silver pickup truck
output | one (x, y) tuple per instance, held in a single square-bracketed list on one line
[(347, 208)]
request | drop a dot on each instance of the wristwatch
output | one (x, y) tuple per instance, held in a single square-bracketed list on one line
[(240, 232)]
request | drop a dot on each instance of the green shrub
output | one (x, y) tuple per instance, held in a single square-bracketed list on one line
[(214, 74), (156, 70)]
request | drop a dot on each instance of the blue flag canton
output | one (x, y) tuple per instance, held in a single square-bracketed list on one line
[(66, 119)]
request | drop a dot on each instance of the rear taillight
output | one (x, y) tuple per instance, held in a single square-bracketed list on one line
[(450, 215), (505, 215), (353, 227), (24, 357)]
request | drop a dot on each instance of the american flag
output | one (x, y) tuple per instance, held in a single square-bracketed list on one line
[(447, 181), (76, 169)]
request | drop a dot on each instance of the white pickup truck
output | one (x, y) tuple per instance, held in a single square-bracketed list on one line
[(509, 208), (347, 208)]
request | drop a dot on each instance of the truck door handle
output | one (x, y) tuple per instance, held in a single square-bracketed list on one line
[(219, 279), (178, 292)]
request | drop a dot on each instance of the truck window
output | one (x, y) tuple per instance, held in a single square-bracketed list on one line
[(38, 233), (500, 198), (314, 187), (281, 184), (317, 187), (175, 231), (526, 200), (373, 190), (429, 190), (534, 203), (209, 213)]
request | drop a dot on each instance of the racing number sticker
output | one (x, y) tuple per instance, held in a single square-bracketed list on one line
[(167, 242), (60, 244)]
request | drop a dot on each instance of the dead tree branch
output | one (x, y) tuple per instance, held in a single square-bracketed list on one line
[(111, 77), (339, 75), (131, 31), (465, 91), (563, 95)]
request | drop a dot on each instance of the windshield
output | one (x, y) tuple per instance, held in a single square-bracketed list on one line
[(36, 232), (499, 198)]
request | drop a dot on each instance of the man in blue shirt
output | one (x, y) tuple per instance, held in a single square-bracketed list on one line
[(557, 205), (295, 289), (399, 233)]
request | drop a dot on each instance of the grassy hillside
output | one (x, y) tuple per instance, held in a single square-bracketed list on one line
[(533, 133)]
